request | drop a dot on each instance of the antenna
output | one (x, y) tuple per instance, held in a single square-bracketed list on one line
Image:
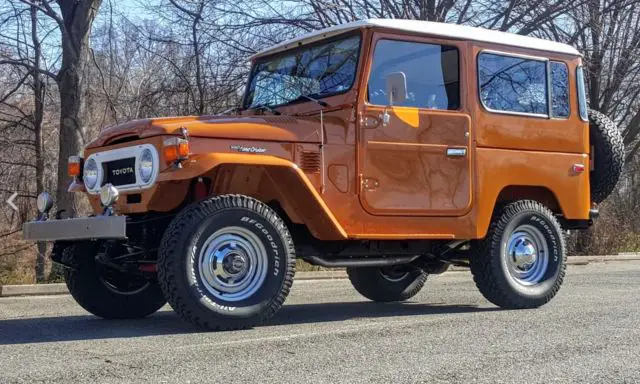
[(322, 172)]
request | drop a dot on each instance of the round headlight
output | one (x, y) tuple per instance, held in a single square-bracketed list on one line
[(145, 165), (108, 195), (90, 174), (44, 202)]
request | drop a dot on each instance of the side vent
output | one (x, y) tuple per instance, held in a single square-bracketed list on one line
[(310, 161)]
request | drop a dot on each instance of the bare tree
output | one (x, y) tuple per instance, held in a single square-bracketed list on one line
[(74, 20), (608, 33)]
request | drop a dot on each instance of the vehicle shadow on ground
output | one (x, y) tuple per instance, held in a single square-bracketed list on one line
[(166, 322)]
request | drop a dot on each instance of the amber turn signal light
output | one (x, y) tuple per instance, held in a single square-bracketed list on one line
[(176, 149), (74, 166)]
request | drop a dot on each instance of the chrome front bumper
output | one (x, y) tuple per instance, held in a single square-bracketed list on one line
[(81, 228)]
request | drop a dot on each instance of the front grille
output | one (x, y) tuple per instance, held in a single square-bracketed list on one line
[(120, 172)]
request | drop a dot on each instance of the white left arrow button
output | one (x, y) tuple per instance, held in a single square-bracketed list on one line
[(11, 203)]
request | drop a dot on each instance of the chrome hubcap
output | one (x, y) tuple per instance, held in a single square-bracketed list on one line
[(232, 264), (527, 255)]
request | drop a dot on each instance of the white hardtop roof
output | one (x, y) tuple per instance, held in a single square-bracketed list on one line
[(454, 31)]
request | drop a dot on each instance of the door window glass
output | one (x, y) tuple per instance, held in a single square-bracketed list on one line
[(431, 71)]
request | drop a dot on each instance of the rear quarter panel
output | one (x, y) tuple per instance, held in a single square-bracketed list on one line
[(517, 150)]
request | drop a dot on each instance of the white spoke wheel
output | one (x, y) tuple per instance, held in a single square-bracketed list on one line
[(527, 255), (226, 262), (521, 262), (232, 264)]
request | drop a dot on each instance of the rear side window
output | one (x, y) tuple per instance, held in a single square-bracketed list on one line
[(559, 89), (432, 73), (582, 94), (513, 84)]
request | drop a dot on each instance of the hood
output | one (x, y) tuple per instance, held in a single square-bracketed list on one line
[(263, 128)]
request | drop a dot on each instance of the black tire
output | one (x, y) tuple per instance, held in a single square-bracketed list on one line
[(180, 275), (490, 260), (608, 155), (111, 295), (387, 284)]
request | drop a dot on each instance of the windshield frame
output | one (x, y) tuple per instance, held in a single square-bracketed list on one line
[(260, 60)]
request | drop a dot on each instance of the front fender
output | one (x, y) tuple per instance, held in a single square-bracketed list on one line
[(290, 181)]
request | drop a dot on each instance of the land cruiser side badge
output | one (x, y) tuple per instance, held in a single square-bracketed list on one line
[(241, 148)]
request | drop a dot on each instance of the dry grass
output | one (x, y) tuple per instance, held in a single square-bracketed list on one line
[(18, 261), (18, 268), (303, 266)]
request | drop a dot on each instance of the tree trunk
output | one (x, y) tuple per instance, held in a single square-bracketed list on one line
[(77, 18), (38, 100)]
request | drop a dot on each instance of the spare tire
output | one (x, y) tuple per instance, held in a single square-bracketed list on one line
[(607, 154)]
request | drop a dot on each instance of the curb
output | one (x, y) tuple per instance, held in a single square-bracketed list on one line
[(33, 289), (61, 288)]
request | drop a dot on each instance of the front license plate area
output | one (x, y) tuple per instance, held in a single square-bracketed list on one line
[(120, 172)]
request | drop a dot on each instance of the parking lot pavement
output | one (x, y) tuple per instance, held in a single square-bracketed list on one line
[(327, 333)]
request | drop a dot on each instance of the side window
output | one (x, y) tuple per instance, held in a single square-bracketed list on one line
[(432, 74), (513, 84), (559, 89), (582, 94)]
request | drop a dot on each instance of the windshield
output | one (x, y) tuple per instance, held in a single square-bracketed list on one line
[(316, 71)]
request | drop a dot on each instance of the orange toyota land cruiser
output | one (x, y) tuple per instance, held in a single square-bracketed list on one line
[(391, 148)]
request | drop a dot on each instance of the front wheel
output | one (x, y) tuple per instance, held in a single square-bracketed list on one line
[(226, 262), (521, 262), (396, 283), (108, 293)]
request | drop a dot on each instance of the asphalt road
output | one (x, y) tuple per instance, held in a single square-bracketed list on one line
[(328, 334)]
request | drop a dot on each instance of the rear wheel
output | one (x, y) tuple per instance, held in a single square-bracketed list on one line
[(521, 261), (396, 283), (108, 293), (226, 263)]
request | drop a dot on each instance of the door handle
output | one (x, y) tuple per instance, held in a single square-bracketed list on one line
[(456, 152), (386, 117)]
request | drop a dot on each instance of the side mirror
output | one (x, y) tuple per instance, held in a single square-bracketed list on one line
[(396, 87)]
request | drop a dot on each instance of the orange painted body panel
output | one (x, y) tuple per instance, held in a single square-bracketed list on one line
[(372, 181), (406, 166)]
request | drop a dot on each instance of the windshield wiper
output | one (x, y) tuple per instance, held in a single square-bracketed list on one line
[(230, 110), (307, 97), (266, 108)]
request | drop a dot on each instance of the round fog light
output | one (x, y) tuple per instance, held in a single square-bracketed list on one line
[(108, 195), (44, 202)]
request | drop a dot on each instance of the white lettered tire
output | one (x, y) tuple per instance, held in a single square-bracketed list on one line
[(226, 262), (521, 262)]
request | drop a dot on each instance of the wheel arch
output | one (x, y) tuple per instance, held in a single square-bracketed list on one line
[(274, 181), (541, 194), (509, 193)]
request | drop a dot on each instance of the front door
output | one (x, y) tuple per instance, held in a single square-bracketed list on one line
[(415, 156)]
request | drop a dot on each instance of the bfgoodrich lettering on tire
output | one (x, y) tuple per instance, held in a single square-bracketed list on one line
[(226, 263), (521, 262)]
